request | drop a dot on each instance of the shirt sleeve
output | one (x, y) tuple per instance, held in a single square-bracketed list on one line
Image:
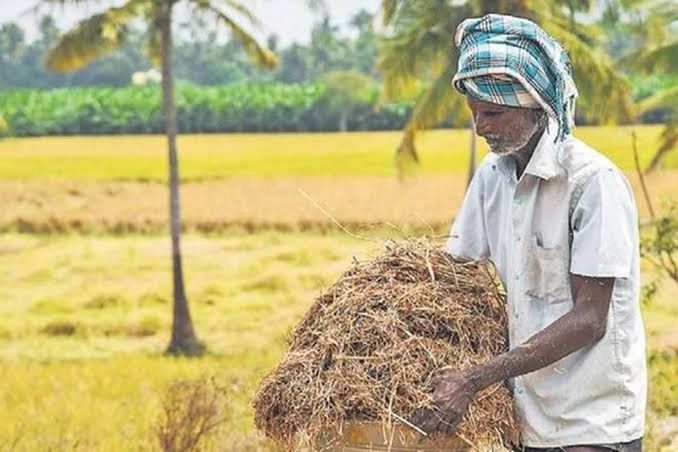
[(604, 227), (468, 238)]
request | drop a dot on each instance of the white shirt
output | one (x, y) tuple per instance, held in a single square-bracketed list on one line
[(572, 211)]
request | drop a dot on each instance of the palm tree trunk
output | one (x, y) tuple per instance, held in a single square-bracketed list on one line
[(184, 340), (472, 154), (343, 120)]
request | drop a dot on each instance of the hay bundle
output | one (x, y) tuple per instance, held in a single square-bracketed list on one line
[(366, 349)]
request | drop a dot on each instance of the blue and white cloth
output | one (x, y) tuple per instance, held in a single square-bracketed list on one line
[(511, 61)]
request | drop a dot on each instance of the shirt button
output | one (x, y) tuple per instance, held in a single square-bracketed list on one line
[(517, 238), (517, 277)]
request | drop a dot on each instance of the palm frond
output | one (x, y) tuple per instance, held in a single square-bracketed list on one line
[(604, 92), (661, 58), (419, 46), (154, 41), (244, 11), (403, 70), (257, 52), (667, 98), (93, 37), (234, 5), (437, 102), (668, 142), (389, 9), (655, 48)]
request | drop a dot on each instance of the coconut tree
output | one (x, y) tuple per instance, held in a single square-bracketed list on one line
[(666, 99), (104, 32), (656, 53), (416, 56)]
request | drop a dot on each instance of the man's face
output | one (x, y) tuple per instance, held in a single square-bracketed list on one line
[(506, 129)]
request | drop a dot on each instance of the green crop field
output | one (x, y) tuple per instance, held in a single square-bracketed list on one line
[(238, 107), (85, 304)]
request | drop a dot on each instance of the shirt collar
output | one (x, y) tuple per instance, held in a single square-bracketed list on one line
[(544, 161)]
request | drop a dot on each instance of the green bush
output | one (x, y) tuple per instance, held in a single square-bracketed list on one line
[(268, 107), (4, 127)]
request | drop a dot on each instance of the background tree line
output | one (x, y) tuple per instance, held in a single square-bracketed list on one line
[(356, 79), (203, 55), (237, 107)]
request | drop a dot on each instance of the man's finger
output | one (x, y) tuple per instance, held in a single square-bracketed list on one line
[(449, 426), (428, 419), (440, 372), (418, 417), (421, 418), (440, 396), (430, 424)]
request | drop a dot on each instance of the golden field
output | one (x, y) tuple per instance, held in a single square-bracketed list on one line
[(85, 304), (219, 156), (85, 320)]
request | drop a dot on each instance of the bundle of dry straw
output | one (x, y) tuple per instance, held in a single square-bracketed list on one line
[(366, 349)]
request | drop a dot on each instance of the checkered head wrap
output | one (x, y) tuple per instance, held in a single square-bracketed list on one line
[(511, 61)]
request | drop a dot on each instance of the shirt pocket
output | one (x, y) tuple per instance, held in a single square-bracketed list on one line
[(546, 276)]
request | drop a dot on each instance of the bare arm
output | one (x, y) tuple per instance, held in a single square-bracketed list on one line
[(582, 326)]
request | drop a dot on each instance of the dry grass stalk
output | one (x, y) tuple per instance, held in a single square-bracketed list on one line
[(366, 349), (252, 203), (192, 412)]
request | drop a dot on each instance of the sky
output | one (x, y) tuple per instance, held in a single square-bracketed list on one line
[(291, 20)]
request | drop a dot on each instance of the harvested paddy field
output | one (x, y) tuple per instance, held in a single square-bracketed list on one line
[(85, 311), (422, 203)]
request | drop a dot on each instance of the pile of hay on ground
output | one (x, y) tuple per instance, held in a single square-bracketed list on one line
[(366, 349)]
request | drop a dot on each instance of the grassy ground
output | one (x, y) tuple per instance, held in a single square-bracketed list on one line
[(221, 156), (84, 322), (84, 318)]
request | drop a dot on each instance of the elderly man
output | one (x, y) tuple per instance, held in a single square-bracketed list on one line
[(558, 220)]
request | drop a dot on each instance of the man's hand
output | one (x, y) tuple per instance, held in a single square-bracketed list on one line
[(582, 326), (453, 392)]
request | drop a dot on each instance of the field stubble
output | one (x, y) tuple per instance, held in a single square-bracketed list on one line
[(423, 203)]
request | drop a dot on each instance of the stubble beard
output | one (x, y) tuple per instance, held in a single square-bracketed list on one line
[(508, 145)]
